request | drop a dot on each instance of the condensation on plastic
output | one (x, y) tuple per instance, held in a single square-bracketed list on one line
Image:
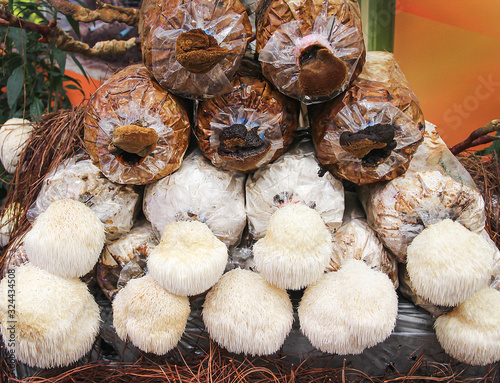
[(356, 240), (294, 177), (228, 30), (130, 114), (358, 116), (269, 130), (242, 258), (435, 187), (199, 191), (115, 205), (283, 49), (125, 258)]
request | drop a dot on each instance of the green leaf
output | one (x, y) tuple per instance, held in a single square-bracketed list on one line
[(19, 39), (75, 60), (36, 109), (75, 25), (14, 86)]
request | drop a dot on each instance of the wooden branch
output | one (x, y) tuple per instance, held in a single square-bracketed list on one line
[(53, 34), (104, 12), (478, 137)]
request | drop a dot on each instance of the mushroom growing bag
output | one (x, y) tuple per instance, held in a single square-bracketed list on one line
[(310, 50), (295, 177), (135, 131), (193, 48), (201, 192), (248, 127), (370, 132), (115, 205), (435, 187)]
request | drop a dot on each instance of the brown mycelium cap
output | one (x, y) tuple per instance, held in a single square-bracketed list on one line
[(66, 239)]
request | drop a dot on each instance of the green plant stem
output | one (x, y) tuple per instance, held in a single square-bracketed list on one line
[(378, 17)]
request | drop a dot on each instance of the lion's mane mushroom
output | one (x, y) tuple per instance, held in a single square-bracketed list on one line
[(370, 132), (296, 249), (135, 131), (117, 206), (152, 318), (310, 50), (56, 319), (199, 191), (248, 127), (471, 332), (196, 53), (448, 263), (349, 310), (245, 314), (189, 258), (14, 135), (66, 239), (294, 177)]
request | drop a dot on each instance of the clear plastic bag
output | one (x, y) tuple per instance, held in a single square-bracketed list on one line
[(356, 240), (370, 133), (230, 29), (436, 186), (247, 128), (199, 191), (281, 56), (131, 98), (294, 177), (77, 178), (125, 258)]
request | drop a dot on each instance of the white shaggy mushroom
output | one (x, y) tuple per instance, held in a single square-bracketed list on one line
[(471, 332), (447, 263), (56, 319), (189, 258), (14, 135), (296, 248), (152, 318), (349, 310), (245, 314), (66, 239)]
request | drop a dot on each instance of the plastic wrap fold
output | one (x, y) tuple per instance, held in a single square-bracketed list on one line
[(247, 128), (354, 239), (294, 177), (370, 132), (199, 191), (310, 50), (77, 178), (125, 258), (435, 187), (130, 99), (208, 65)]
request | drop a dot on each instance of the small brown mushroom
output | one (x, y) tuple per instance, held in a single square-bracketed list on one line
[(135, 139), (198, 52)]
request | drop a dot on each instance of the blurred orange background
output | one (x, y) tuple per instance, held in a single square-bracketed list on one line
[(450, 53)]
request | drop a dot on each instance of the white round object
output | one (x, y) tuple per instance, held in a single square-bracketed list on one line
[(349, 310), (296, 249), (246, 315), (201, 192), (294, 177), (66, 239), (471, 332), (189, 258), (152, 318), (14, 135), (56, 319), (448, 263)]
